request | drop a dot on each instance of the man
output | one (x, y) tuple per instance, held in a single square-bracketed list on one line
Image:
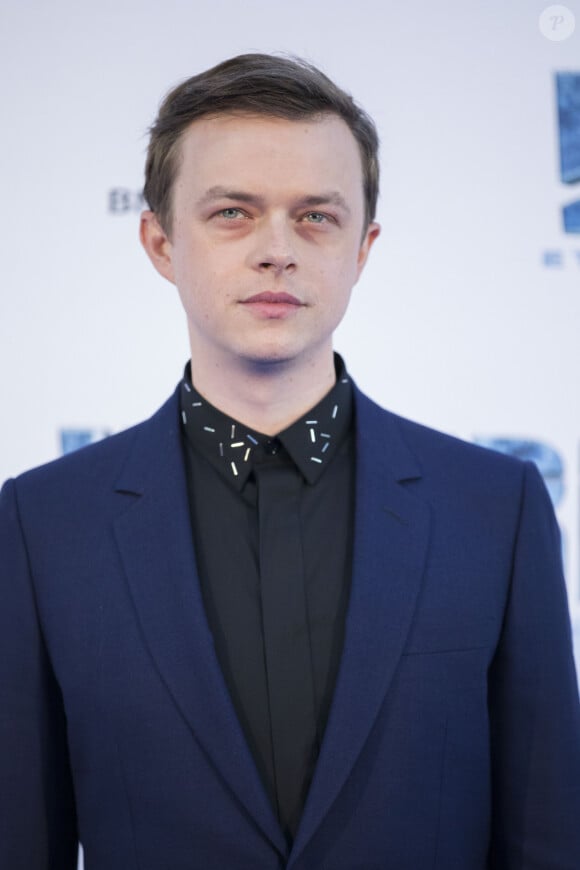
[(274, 625)]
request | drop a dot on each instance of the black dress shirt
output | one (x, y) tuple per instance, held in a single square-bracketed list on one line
[(272, 522)]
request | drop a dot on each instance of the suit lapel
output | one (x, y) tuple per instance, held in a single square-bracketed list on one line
[(390, 542), (155, 541)]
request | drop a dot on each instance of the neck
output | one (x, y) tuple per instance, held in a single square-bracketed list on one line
[(267, 397)]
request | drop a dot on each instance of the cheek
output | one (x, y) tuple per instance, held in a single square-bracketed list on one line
[(340, 278)]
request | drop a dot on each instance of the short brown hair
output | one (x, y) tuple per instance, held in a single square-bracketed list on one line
[(258, 84)]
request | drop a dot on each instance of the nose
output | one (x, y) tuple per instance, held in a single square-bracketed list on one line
[(274, 250)]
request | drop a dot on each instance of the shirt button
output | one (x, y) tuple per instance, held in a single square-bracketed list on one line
[(271, 447)]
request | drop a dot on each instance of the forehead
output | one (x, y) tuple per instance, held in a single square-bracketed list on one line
[(267, 150)]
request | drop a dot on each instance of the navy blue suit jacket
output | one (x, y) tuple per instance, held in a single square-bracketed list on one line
[(453, 740)]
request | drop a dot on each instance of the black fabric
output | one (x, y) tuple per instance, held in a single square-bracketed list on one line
[(288, 654), (272, 524)]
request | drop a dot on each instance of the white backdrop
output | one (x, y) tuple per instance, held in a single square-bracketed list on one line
[(459, 286)]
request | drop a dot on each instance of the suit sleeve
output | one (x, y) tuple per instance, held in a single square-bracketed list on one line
[(37, 815), (533, 702)]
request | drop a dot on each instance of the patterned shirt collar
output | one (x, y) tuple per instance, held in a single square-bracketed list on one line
[(233, 448)]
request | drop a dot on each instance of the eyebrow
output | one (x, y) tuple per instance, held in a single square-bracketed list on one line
[(332, 197), (219, 192)]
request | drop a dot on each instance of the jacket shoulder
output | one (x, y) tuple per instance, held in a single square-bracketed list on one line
[(426, 441), (97, 465), (446, 462)]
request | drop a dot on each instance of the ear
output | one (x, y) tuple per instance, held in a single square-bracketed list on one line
[(371, 233), (157, 244)]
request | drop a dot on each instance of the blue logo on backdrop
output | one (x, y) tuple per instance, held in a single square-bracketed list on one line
[(124, 200), (73, 439), (568, 92), (568, 104)]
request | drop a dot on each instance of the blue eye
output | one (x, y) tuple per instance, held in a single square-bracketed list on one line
[(315, 217), (230, 213)]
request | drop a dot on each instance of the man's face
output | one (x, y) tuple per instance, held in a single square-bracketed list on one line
[(266, 238)]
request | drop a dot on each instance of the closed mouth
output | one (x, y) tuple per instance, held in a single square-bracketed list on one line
[(273, 298)]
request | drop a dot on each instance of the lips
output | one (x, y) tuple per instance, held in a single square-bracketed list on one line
[(273, 307), (270, 298)]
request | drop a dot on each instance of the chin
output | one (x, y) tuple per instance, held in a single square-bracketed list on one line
[(269, 356)]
